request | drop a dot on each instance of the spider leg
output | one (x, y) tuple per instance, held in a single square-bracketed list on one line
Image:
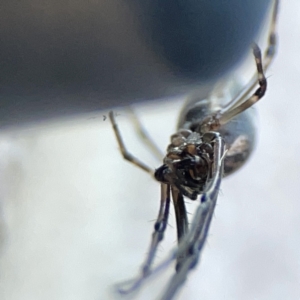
[(192, 244), (226, 116), (180, 213), (157, 236), (271, 49), (126, 155), (144, 136), (215, 121), (267, 60), (181, 218)]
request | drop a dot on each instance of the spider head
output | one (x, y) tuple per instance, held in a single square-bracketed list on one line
[(187, 165)]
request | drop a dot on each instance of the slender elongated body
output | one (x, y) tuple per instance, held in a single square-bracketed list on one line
[(211, 142)]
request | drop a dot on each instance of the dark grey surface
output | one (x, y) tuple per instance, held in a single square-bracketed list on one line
[(59, 58)]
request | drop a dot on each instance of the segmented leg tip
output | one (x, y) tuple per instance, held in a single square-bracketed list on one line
[(256, 50)]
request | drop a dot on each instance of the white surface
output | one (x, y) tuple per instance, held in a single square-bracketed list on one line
[(76, 218)]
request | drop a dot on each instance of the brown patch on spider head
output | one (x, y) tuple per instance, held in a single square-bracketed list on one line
[(191, 149)]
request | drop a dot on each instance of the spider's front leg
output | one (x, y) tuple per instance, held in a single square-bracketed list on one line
[(215, 121), (191, 245), (127, 155)]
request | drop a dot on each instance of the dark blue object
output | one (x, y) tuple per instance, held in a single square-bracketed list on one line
[(60, 58), (203, 39)]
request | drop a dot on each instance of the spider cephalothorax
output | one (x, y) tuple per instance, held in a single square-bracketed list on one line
[(187, 165)]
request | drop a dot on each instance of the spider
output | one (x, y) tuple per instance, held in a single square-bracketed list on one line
[(209, 145)]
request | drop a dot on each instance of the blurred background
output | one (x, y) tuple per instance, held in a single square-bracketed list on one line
[(76, 218), (60, 58)]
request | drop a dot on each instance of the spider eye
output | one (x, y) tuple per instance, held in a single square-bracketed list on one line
[(206, 148)]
